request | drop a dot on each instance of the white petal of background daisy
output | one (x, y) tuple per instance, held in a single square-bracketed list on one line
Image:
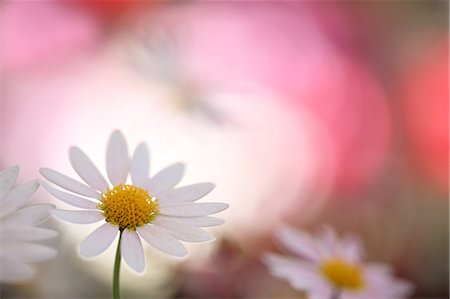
[(19, 230), (152, 209), (326, 267)]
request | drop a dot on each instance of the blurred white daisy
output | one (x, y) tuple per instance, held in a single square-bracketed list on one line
[(147, 208), (330, 268), (19, 231)]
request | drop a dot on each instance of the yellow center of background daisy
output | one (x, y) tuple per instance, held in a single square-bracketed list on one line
[(128, 206), (343, 274)]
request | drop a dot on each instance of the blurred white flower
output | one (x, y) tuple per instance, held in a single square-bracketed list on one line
[(331, 268), (147, 208), (19, 231)]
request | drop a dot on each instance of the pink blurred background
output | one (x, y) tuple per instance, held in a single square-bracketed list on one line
[(301, 112)]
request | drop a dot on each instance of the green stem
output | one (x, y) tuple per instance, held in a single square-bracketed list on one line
[(116, 277)]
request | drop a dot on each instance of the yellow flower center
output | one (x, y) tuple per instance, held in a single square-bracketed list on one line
[(128, 206), (343, 274)]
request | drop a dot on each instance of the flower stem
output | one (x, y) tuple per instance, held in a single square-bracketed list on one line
[(116, 277)]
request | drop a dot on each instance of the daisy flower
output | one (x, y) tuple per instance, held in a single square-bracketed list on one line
[(329, 268), (19, 230), (145, 208)]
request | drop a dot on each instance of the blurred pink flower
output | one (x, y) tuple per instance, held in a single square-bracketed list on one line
[(43, 33), (424, 91), (112, 10), (282, 48)]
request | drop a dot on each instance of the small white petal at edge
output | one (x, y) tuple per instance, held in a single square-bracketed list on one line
[(99, 240), (30, 215), (7, 178), (132, 251), (27, 233), (17, 197), (12, 271), (27, 251)]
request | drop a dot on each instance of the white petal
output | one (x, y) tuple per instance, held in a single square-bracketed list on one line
[(329, 240), (188, 193), (401, 288), (300, 275), (165, 179), (12, 271), (140, 165), (183, 232), (132, 251), (321, 289), (7, 178), (161, 240), (99, 240), (28, 233), (196, 221), (298, 243), (351, 249), (71, 199), (192, 209), (31, 215), (79, 217), (117, 159), (382, 284), (27, 252), (68, 183), (17, 197), (87, 170)]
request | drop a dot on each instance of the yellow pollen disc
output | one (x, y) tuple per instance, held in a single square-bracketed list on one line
[(343, 274), (128, 206)]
